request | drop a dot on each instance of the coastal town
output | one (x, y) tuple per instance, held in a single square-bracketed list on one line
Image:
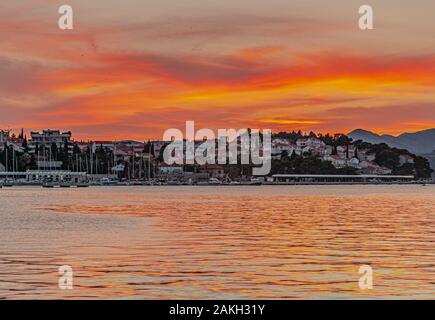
[(55, 158)]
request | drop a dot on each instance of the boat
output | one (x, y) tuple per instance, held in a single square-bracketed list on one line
[(8, 183), (108, 182), (252, 182), (65, 184), (136, 183), (235, 183), (82, 185), (256, 182), (214, 181), (48, 184), (173, 183)]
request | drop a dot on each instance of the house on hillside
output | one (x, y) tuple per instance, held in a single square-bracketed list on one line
[(354, 163), (47, 138), (406, 158), (279, 146), (342, 151), (336, 161)]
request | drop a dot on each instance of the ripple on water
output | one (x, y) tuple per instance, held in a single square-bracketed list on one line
[(261, 242)]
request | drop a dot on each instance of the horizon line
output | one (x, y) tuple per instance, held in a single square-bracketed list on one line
[(304, 132)]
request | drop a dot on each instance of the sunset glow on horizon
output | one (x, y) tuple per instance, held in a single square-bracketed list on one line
[(132, 69)]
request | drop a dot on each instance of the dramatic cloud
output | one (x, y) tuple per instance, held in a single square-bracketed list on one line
[(282, 65)]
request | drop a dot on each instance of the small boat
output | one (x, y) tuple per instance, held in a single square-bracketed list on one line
[(136, 183), (173, 183), (256, 182), (252, 182), (108, 182), (65, 184), (214, 181), (82, 185), (48, 185), (8, 183), (235, 183)]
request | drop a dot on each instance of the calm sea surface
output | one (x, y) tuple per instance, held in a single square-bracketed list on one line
[(218, 242)]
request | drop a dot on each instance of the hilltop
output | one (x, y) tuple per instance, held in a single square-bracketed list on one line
[(421, 142)]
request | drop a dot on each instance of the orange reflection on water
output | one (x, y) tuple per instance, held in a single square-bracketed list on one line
[(219, 242)]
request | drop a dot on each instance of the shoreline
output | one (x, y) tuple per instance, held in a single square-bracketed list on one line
[(58, 186)]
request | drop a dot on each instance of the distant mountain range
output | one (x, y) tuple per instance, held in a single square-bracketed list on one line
[(422, 142)]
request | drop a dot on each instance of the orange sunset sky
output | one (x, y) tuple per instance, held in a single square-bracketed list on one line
[(134, 68)]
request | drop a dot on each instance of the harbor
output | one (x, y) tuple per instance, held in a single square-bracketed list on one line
[(53, 159), (187, 242), (67, 179)]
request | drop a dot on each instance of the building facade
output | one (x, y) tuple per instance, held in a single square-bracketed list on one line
[(4, 135), (49, 137)]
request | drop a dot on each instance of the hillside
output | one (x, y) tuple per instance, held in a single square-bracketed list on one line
[(422, 142)]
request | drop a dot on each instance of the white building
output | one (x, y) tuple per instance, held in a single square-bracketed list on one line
[(405, 158), (342, 151), (371, 157), (49, 165), (354, 162), (327, 150), (280, 145), (49, 137), (4, 135), (337, 161), (351, 151), (14, 143), (310, 142), (170, 170), (83, 146), (363, 155), (105, 144)]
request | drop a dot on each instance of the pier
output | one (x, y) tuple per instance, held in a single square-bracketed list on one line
[(38, 176), (313, 178)]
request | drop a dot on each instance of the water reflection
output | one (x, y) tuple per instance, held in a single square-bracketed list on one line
[(218, 242)]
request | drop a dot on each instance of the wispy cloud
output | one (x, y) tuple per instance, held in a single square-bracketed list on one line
[(245, 68)]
